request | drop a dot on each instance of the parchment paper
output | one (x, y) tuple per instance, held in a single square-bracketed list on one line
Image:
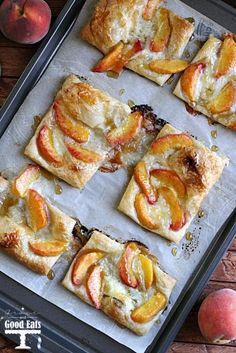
[(96, 205)]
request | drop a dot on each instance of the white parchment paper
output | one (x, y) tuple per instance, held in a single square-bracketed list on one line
[(96, 205)]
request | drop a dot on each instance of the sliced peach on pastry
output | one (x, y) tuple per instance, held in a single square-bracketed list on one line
[(171, 141), (107, 62), (83, 263), (125, 265), (22, 182), (142, 211), (150, 8), (150, 309), (227, 58), (48, 247), (147, 268), (161, 38), (171, 179), (83, 154), (127, 55), (94, 285), (74, 129), (225, 99), (189, 80), (176, 211), (38, 211), (127, 131), (142, 178), (165, 66), (46, 146)]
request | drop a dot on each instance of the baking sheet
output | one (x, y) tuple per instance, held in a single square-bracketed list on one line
[(103, 192)]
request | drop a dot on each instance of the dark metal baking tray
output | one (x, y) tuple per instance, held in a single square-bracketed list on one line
[(61, 332)]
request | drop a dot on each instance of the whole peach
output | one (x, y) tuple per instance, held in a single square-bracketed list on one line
[(217, 316), (25, 21)]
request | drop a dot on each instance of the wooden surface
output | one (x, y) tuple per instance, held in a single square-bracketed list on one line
[(14, 58)]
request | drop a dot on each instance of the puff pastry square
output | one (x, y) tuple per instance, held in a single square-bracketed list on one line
[(32, 230), (170, 182), (140, 35), (209, 84), (123, 280), (74, 139)]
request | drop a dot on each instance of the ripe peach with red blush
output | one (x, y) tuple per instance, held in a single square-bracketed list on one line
[(217, 316), (25, 21)]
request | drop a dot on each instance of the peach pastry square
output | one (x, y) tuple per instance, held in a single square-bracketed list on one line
[(123, 280), (209, 84), (170, 182), (139, 35), (80, 129), (32, 230)]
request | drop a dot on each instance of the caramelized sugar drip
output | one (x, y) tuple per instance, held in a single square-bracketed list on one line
[(114, 161), (190, 110), (151, 123), (51, 275), (81, 234)]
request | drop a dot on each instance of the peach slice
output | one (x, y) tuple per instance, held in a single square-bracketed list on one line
[(177, 213), (171, 141), (148, 310), (48, 247), (147, 267), (189, 80), (127, 131), (107, 62), (94, 285), (83, 263), (118, 57), (74, 129), (46, 147), (83, 154), (227, 58), (170, 179), (125, 265), (166, 66), (38, 211), (127, 55), (143, 215), (22, 182), (142, 178), (150, 8), (161, 38), (225, 99)]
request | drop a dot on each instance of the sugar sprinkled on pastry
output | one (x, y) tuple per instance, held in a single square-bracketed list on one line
[(209, 84), (139, 35), (81, 128), (32, 230), (170, 182), (123, 280)]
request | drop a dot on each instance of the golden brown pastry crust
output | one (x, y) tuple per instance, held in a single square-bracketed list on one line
[(115, 21), (198, 168), (91, 107), (60, 228), (111, 306), (208, 55)]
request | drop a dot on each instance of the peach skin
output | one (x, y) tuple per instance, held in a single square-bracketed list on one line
[(217, 316), (25, 21)]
